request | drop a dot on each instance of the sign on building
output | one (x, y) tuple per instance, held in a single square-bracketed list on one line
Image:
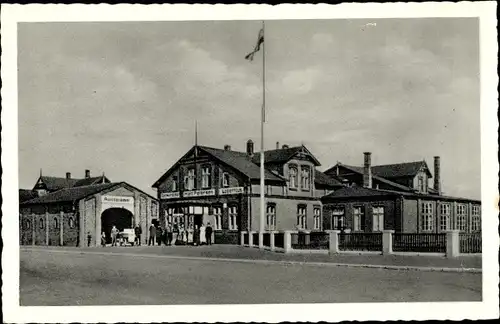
[(169, 195), (231, 191), (199, 193)]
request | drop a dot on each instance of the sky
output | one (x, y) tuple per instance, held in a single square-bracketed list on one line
[(122, 97)]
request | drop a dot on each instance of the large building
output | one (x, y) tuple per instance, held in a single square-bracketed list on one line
[(396, 197), (222, 186), (66, 211)]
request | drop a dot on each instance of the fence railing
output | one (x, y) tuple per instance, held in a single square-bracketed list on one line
[(470, 243), (360, 242), (451, 243), (421, 242), (226, 237)]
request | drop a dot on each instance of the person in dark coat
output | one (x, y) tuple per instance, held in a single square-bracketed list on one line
[(137, 232), (208, 234), (152, 235), (196, 236), (168, 235), (159, 235)]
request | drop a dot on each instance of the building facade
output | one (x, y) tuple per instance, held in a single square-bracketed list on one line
[(222, 186), (396, 197), (77, 215)]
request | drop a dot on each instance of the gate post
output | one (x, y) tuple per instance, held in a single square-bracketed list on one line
[(387, 241), (452, 244), (333, 241)]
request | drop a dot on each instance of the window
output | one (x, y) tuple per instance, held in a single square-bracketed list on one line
[(205, 177), (305, 177), (41, 223), (358, 217), (338, 218), (378, 218), (476, 219), (461, 218), (293, 177), (27, 224), (444, 217), (56, 223), (233, 217), (317, 218), (189, 183), (174, 183), (427, 217), (421, 184), (71, 222), (271, 217), (225, 179), (301, 217), (217, 218)]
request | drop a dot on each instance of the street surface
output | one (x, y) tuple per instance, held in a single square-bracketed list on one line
[(49, 278)]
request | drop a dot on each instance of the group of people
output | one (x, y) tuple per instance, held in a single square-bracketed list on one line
[(174, 234)]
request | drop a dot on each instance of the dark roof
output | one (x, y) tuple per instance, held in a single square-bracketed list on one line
[(281, 155), (409, 169), (376, 177), (25, 195), (241, 162), (90, 181), (70, 194), (56, 183), (324, 180), (361, 192), (357, 191)]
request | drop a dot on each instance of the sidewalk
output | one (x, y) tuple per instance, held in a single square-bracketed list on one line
[(246, 253)]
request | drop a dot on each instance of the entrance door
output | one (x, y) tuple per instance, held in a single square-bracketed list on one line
[(119, 217)]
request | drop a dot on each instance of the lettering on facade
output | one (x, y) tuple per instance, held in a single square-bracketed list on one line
[(169, 195), (199, 193), (231, 191), (116, 199)]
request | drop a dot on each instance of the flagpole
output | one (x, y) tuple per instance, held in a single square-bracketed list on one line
[(263, 119)]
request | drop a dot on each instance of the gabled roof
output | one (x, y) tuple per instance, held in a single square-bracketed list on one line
[(239, 161), (56, 183), (409, 169), (322, 179), (77, 193), (359, 170), (70, 194), (26, 194), (283, 155), (91, 181), (242, 163)]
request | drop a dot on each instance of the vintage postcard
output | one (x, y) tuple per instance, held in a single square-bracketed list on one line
[(199, 163)]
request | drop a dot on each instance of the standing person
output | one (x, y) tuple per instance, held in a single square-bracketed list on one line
[(114, 234), (168, 235), (208, 234), (152, 235), (103, 239), (175, 233), (137, 233), (89, 238), (203, 234)]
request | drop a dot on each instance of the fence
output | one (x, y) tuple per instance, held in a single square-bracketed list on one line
[(421, 242), (470, 243), (451, 243), (360, 242)]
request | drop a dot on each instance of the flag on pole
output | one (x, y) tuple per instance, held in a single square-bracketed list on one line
[(260, 40)]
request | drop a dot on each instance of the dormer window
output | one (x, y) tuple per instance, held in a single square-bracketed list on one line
[(293, 176), (205, 176), (305, 177)]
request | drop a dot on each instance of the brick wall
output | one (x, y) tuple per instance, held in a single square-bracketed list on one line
[(26, 229), (71, 237)]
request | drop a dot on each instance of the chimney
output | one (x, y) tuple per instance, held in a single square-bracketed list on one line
[(227, 147), (437, 174), (367, 170), (250, 147), (285, 146), (277, 145), (87, 174), (68, 175)]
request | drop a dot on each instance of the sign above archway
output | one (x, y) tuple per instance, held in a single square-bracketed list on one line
[(118, 202)]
